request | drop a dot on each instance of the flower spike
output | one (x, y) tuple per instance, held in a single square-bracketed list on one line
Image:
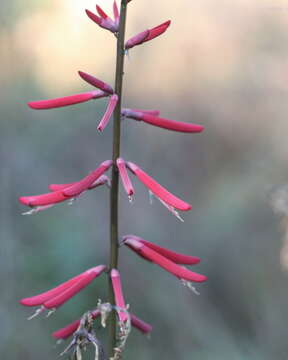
[(171, 255), (157, 189), (67, 193), (66, 100), (179, 271), (118, 294), (69, 329), (57, 296), (125, 177), (147, 35), (155, 120), (92, 80), (108, 113)]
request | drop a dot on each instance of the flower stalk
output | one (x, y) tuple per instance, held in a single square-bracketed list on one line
[(113, 263), (114, 311)]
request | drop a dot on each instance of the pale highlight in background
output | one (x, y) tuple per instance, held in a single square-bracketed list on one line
[(60, 39)]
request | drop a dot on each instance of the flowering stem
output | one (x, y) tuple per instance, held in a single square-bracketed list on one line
[(115, 175)]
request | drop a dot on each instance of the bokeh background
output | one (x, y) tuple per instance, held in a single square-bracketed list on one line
[(222, 64)]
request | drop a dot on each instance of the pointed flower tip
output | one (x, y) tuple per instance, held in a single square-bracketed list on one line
[(97, 270), (24, 200), (116, 12), (147, 35), (101, 12), (93, 17)]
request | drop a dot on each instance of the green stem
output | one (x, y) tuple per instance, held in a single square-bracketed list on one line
[(115, 175)]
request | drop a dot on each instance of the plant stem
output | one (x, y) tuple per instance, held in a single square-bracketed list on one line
[(115, 176)]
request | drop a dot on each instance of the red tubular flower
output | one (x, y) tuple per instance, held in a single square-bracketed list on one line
[(101, 12), (116, 13), (147, 35), (57, 296), (69, 192), (103, 20), (118, 295), (171, 255), (103, 179), (125, 177), (69, 329), (179, 271), (92, 80), (66, 100), (158, 30), (157, 189), (136, 39), (140, 324), (152, 119), (108, 113)]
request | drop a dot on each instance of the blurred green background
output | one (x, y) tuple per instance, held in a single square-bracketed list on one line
[(221, 64)]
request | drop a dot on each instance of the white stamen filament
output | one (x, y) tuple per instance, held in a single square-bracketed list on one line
[(36, 313), (189, 285), (37, 209)]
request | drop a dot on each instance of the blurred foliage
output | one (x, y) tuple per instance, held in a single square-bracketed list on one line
[(223, 65)]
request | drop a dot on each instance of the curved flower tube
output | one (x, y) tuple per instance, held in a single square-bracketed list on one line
[(179, 271), (157, 189), (171, 255), (147, 35), (66, 193), (92, 80), (155, 120), (66, 100), (118, 295), (121, 164), (57, 296), (108, 113), (103, 179)]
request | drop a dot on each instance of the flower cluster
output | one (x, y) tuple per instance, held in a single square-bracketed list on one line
[(173, 262)]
